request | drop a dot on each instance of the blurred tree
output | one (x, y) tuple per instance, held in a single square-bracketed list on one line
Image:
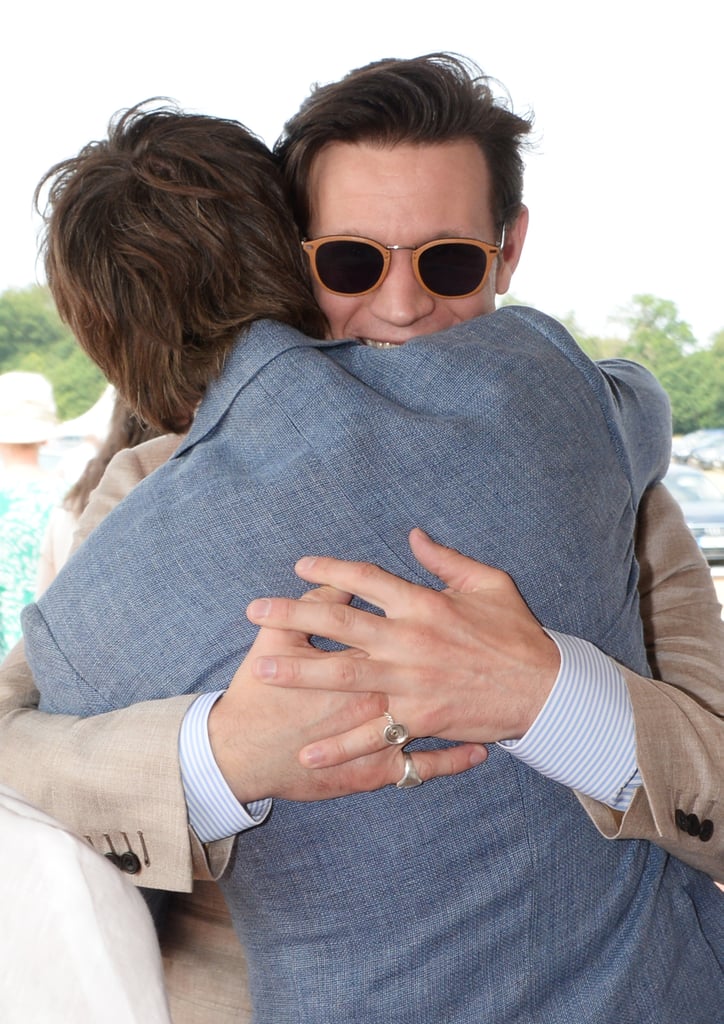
[(706, 381), (655, 336), (658, 339), (34, 338)]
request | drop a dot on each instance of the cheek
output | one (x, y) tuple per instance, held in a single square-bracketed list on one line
[(475, 305), (338, 310)]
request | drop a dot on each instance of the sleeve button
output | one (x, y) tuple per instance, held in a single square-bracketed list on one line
[(129, 863), (693, 826), (707, 830)]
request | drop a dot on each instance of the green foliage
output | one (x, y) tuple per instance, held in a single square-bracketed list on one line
[(656, 335), (34, 338), (692, 374)]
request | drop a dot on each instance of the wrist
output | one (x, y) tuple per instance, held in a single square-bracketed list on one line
[(233, 753), (541, 677), (213, 809)]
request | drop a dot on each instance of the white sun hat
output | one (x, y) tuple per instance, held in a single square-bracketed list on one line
[(27, 408)]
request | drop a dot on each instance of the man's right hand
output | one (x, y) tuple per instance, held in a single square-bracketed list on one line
[(256, 731)]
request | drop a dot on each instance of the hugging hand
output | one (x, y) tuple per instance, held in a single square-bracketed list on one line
[(468, 663), (257, 731)]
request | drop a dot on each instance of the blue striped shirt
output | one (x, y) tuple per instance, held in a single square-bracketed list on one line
[(584, 734), (583, 738)]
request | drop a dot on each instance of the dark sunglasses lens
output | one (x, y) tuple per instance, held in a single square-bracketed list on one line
[(452, 268), (349, 267)]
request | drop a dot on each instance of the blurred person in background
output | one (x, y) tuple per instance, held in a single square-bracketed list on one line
[(125, 431), (79, 440), (28, 492)]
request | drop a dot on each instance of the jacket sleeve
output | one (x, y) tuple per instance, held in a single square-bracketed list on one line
[(113, 778), (680, 721)]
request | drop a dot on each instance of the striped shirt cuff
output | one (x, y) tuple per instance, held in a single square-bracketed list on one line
[(214, 812), (584, 735)]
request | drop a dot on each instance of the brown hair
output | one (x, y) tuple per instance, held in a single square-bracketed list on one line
[(162, 243), (437, 98)]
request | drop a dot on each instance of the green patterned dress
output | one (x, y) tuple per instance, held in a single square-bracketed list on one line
[(25, 507)]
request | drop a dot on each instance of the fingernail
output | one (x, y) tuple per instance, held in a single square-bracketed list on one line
[(478, 755), (306, 563), (312, 756), (265, 668), (260, 608)]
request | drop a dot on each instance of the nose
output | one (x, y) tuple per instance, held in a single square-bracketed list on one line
[(401, 300)]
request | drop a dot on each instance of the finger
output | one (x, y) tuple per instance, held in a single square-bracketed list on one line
[(350, 670), (335, 621), (432, 764), (455, 570), (259, 609), (369, 739), (347, 746), (374, 585), (284, 665), (294, 636)]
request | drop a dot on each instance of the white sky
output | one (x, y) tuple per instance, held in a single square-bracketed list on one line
[(624, 187)]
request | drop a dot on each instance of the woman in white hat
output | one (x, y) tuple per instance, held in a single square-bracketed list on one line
[(27, 492)]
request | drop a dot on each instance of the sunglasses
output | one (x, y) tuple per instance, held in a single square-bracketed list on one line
[(448, 268)]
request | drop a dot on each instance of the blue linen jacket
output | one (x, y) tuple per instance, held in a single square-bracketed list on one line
[(485, 897)]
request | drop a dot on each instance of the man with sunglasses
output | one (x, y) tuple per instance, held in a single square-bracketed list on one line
[(409, 233), (383, 311), (411, 226)]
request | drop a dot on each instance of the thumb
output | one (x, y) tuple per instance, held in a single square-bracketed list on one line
[(457, 571)]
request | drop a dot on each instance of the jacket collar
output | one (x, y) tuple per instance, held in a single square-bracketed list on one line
[(254, 349)]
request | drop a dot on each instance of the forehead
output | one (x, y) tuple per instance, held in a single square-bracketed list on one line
[(404, 193)]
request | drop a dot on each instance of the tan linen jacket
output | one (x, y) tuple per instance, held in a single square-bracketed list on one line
[(115, 778)]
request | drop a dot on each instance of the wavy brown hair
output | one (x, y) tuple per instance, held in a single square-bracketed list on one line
[(440, 97), (162, 244)]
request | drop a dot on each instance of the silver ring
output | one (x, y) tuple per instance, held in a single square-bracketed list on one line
[(394, 733), (411, 778)]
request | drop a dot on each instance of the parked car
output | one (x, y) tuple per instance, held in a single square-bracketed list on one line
[(709, 455), (682, 447), (702, 503)]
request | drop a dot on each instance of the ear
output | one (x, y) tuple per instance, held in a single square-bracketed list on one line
[(512, 249)]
